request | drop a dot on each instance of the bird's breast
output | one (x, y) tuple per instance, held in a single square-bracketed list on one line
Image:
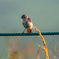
[(28, 25), (25, 24)]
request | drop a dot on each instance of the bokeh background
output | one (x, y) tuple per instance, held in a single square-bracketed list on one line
[(45, 16)]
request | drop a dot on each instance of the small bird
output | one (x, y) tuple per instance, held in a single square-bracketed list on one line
[(27, 23)]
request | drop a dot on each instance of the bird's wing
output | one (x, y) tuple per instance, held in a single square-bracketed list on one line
[(30, 20)]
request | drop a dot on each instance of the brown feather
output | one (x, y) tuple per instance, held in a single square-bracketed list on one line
[(29, 30), (30, 20)]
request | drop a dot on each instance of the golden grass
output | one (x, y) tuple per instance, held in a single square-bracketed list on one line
[(43, 40)]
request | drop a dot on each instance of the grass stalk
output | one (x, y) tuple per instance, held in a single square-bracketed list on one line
[(43, 40)]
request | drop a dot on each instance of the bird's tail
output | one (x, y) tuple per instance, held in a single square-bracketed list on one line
[(29, 30)]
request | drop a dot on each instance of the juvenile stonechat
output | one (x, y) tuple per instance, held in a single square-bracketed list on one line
[(27, 23)]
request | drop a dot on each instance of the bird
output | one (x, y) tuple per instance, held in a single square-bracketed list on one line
[(27, 23)]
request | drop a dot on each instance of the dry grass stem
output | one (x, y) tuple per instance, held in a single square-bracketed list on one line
[(43, 40)]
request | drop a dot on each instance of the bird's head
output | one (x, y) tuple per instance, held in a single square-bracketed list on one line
[(24, 17)]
